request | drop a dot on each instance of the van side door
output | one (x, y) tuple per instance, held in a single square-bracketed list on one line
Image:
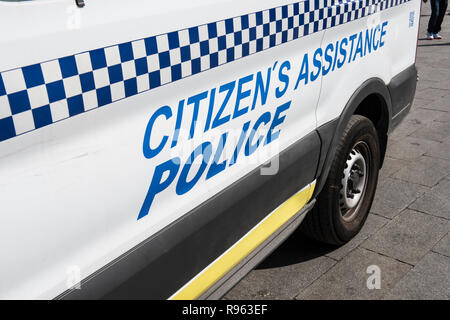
[(120, 121)]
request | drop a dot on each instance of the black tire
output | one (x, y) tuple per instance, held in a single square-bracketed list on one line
[(331, 221)]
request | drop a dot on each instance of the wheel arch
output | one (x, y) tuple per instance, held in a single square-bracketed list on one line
[(372, 100)]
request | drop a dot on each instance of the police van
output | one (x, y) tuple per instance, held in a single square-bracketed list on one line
[(161, 150)]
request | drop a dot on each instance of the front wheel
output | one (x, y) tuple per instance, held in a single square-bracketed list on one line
[(346, 198)]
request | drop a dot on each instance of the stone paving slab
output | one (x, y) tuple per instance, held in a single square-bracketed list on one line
[(391, 166), (436, 131), (443, 246), (426, 171), (436, 201), (445, 118), (409, 148), (409, 236), (442, 151), (348, 278), (394, 195), (372, 225), (427, 280)]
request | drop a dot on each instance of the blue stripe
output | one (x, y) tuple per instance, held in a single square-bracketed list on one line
[(130, 68)]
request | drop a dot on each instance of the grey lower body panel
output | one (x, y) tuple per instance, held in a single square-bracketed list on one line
[(402, 89), (162, 264)]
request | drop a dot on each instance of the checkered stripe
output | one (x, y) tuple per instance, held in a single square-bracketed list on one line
[(35, 96)]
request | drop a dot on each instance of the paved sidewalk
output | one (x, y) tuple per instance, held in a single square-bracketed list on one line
[(407, 233)]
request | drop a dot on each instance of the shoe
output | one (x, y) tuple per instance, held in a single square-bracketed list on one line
[(437, 36), (430, 36)]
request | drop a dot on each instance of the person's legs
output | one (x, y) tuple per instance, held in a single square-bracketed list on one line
[(434, 15), (440, 15)]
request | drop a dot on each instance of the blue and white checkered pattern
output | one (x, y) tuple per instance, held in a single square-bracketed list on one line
[(35, 96)]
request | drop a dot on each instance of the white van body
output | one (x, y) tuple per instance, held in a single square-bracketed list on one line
[(96, 102)]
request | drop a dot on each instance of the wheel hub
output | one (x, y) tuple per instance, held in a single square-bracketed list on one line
[(353, 182)]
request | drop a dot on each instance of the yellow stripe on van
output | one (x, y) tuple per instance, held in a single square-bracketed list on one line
[(241, 249)]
